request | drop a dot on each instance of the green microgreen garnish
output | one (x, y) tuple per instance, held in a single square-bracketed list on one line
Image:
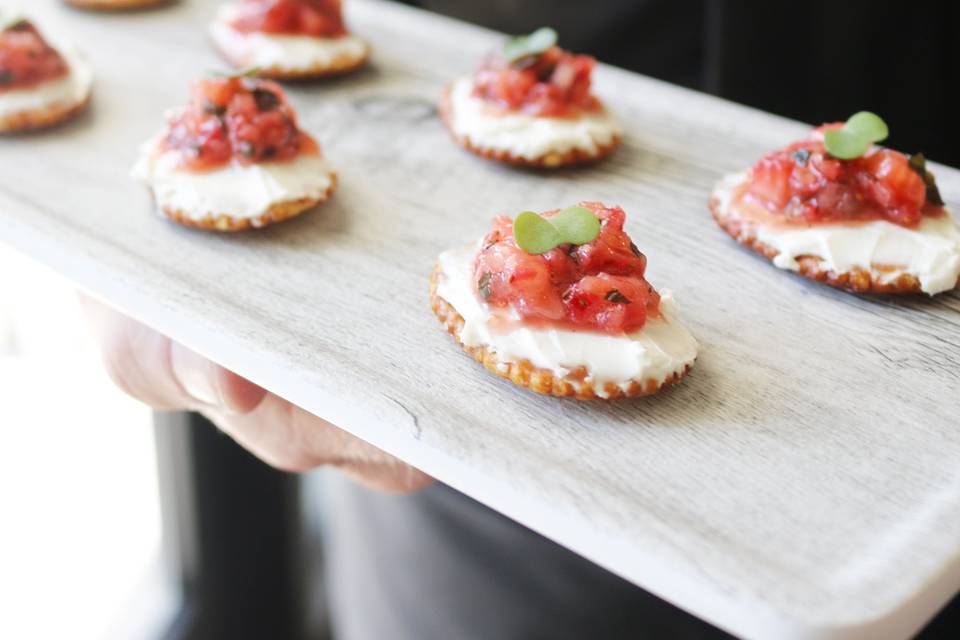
[(614, 295), (573, 225), (535, 234), (855, 136), (576, 225), (919, 164), (534, 44)]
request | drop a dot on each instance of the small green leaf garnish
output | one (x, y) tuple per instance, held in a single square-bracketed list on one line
[(573, 225), (536, 43), (577, 225), (868, 125), (615, 296), (853, 139), (483, 285), (919, 164), (535, 234)]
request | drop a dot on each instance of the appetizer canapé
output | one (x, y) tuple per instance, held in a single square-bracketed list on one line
[(40, 85), (234, 158), (837, 208), (287, 39), (558, 303), (531, 104)]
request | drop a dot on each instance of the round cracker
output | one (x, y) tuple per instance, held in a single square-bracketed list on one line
[(42, 118), (524, 374), (550, 160), (858, 280), (278, 212), (340, 65)]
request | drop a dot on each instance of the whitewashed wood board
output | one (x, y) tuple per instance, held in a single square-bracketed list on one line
[(803, 482)]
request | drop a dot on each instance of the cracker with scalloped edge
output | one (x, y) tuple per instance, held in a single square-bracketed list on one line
[(549, 160), (524, 374), (278, 212), (859, 280), (43, 117)]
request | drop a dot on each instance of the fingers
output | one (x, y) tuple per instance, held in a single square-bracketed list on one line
[(168, 376), (136, 358), (212, 385), (162, 373), (289, 438), (396, 478)]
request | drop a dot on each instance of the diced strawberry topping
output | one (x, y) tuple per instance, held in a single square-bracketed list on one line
[(555, 83), (244, 118), (805, 184), (26, 59), (610, 302), (598, 286), (318, 18)]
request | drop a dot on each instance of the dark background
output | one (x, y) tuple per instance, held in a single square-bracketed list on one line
[(814, 61)]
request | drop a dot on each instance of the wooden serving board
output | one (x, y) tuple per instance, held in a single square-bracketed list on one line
[(803, 481)]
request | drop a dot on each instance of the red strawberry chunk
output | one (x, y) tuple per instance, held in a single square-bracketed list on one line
[(26, 59), (241, 118), (804, 183), (318, 18), (553, 84), (615, 303)]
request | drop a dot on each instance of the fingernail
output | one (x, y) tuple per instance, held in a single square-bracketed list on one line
[(195, 374)]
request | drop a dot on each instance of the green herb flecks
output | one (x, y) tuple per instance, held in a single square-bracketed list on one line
[(919, 164), (266, 100), (800, 156), (483, 286), (614, 295)]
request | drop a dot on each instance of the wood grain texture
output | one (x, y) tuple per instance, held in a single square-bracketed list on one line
[(801, 482)]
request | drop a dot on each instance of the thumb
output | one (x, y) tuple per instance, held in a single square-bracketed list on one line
[(161, 373), (210, 384)]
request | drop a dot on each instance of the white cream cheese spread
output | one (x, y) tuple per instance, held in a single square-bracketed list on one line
[(929, 252), (237, 190), (662, 348), (523, 135)]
